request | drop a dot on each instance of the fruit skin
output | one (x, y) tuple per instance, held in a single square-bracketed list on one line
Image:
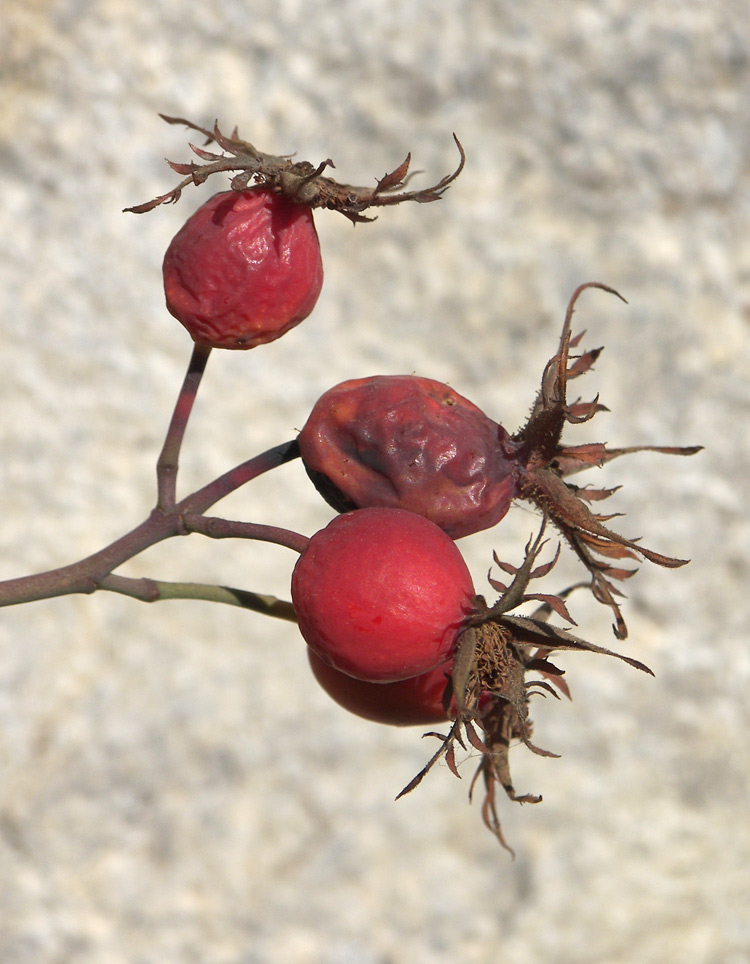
[(381, 594), (244, 269), (412, 443), (416, 701)]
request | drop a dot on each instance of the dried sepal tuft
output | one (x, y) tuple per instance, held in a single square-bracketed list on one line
[(488, 692), (543, 464), (300, 181)]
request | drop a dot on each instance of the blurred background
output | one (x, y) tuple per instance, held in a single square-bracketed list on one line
[(173, 785)]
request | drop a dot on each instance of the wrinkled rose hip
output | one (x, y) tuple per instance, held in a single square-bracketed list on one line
[(411, 443), (244, 269), (381, 594)]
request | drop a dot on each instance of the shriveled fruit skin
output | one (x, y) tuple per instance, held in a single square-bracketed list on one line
[(412, 443), (381, 594), (244, 269), (409, 702)]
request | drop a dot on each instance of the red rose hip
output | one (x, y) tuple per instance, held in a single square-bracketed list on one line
[(412, 443), (244, 269), (417, 701), (381, 594)]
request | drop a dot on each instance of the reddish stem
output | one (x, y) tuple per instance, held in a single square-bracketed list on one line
[(85, 575), (210, 494), (229, 529), (168, 461)]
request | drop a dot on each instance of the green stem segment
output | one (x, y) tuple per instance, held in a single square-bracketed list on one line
[(153, 590)]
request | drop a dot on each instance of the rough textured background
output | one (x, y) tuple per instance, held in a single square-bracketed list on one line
[(173, 786)]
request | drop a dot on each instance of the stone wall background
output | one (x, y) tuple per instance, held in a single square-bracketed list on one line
[(173, 786)]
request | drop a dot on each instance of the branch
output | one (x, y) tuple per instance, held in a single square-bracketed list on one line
[(168, 461), (156, 590), (229, 529), (86, 575)]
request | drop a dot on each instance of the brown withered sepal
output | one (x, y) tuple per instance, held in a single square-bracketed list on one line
[(487, 695), (299, 181), (542, 463)]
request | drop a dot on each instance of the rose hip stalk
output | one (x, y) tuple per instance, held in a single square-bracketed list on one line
[(414, 443)]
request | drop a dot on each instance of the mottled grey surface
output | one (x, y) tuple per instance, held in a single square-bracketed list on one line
[(173, 786)]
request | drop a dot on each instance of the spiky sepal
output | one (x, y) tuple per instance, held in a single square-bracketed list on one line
[(300, 181), (487, 695), (542, 463)]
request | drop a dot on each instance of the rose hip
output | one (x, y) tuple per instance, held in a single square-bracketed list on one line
[(411, 443), (381, 594), (417, 701), (244, 269)]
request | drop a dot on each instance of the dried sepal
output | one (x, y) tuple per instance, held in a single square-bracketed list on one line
[(580, 412), (544, 462), (300, 181), (512, 595), (501, 660), (588, 494), (446, 742), (523, 576), (546, 638)]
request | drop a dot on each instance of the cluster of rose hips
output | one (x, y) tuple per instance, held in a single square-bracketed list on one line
[(395, 629)]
